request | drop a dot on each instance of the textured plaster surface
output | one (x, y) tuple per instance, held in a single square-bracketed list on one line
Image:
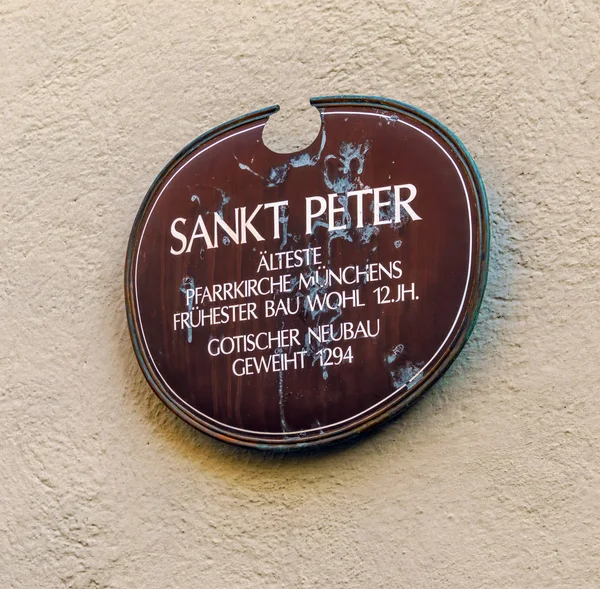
[(491, 480)]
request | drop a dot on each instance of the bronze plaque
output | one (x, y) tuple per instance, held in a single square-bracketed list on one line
[(292, 300)]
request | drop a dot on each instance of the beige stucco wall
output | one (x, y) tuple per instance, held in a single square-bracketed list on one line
[(491, 480)]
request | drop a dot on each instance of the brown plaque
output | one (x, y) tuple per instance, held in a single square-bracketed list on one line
[(292, 300)]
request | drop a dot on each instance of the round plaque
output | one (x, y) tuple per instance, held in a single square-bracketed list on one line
[(292, 300)]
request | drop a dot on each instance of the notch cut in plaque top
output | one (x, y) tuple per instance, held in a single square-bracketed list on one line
[(292, 129)]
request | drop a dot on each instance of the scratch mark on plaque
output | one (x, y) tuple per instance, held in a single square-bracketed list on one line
[(188, 283), (280, 388), (224, 200), (320, 426), (247, 168), (278, 174), (342, 174), (351, 162), (221, 211), (395, 353), (283, 219), (196, 198), (367, 233), (408, 375), (318, 287), (303, 160)]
